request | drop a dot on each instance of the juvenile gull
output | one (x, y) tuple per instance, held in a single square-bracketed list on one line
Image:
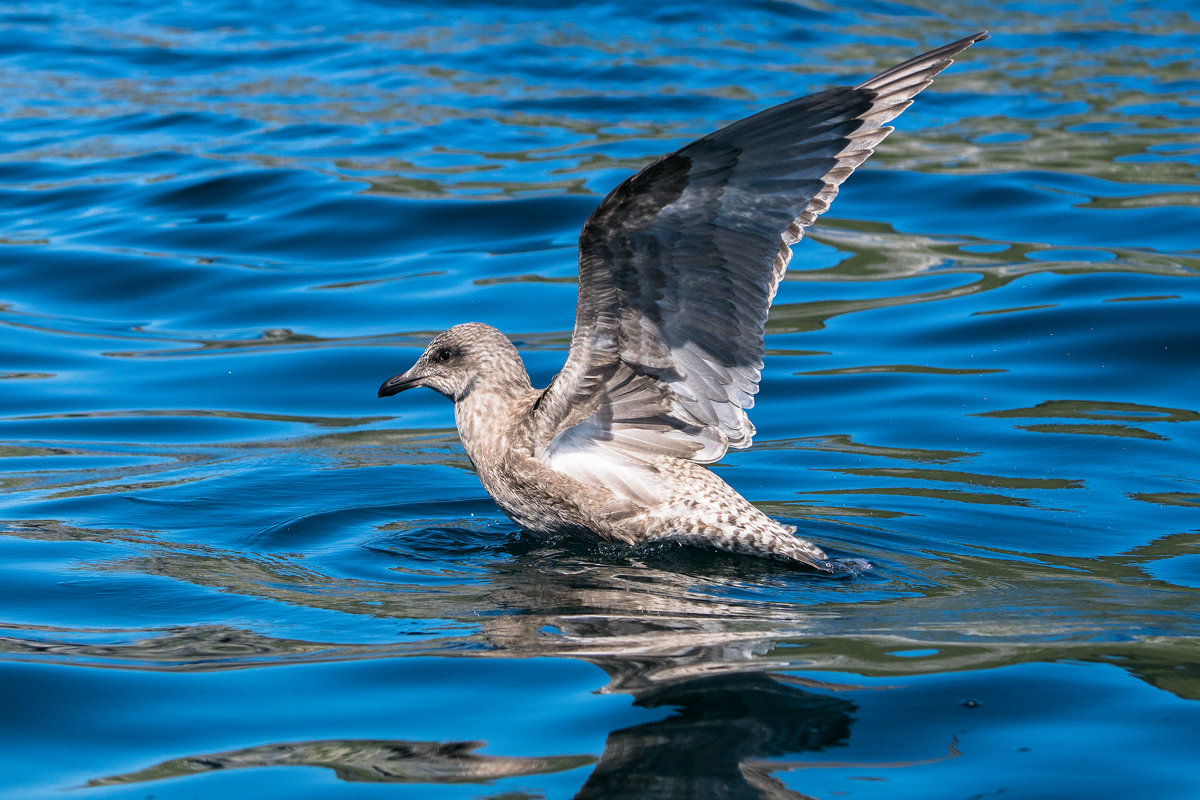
[(677, 269)]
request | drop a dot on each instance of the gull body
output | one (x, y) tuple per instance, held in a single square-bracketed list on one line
[(678, 268)]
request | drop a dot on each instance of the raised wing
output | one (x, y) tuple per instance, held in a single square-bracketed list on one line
[(679, 265)]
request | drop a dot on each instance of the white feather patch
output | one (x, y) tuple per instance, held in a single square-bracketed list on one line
[(577, 454)]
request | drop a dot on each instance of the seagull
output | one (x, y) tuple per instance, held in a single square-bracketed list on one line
[(677, 270)]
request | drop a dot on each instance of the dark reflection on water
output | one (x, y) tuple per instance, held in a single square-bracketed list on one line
[(715, 744)]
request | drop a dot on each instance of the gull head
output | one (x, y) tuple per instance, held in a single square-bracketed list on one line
[(461, 360)]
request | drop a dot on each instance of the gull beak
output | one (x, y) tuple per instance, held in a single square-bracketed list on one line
[(398, 383)]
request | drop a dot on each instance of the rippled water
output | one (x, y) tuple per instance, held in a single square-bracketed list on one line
[(223, 224)]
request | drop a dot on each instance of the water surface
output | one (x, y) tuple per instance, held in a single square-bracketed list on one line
[(227, 568)]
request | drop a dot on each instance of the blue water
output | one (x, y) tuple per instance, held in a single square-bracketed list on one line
[(228, 570)]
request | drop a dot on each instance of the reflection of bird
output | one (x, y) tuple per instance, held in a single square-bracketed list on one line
[(362, 761), (718, 741), (715, 745), (677, 269)]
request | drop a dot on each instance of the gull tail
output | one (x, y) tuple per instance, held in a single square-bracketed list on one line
[(778, 544)]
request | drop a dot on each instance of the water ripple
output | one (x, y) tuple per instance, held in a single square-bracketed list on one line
[(224, 224)]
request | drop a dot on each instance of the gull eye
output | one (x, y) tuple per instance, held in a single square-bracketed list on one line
[(444, 354)]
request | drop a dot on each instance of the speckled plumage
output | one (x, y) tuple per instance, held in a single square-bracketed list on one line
[(678, 267)]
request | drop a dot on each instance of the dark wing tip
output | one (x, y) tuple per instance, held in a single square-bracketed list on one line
[(930, 63)]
